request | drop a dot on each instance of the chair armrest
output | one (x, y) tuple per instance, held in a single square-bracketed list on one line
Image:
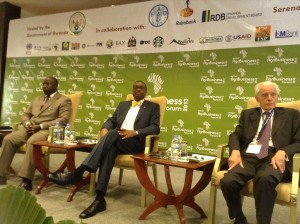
[(220, 156), (50, 134), (148, 143), (295, 178)]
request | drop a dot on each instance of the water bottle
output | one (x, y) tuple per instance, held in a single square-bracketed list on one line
[(68, 132), (57, 132), (175, 148)]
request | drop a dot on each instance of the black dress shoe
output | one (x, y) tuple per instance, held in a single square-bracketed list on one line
[(27, 185), (237, 221), (93, 209), (64, 178)]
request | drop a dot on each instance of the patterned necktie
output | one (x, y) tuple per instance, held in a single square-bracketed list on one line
[(265, 137), (136, 103), (45, 101)]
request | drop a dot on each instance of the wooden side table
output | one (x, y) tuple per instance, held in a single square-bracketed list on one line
[(68, 163), (188, 193)]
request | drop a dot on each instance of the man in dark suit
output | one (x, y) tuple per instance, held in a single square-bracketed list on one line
[(43, 112), (123, 133), (247, 160)]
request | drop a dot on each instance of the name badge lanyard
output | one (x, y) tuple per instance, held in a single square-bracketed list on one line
[(265, 121)]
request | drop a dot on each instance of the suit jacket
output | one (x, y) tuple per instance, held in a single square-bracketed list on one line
[(146, 122), (285, 131), (58, 108)]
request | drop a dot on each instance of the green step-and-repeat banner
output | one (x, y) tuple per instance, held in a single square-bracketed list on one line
[(204, 56)]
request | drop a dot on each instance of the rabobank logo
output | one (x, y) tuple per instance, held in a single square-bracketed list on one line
[(158, 15), (208, 17)]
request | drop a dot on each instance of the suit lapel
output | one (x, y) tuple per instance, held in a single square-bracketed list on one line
[(50, 102), (254, 121), (141, 111), (277, 120)]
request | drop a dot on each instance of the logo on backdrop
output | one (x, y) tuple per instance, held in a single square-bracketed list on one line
[(157, 82), (113, 78), (280, 58), (242, 77), (187, 11), (240, 95), (205, 40), (136, 63), (263, 33), (286, 33), (186, 41), (235, 115), (158, 41), (211, 77), (279, 77), (158, 15), (161, 62), (187, 62), (213, 61), (91, 105), (209, 95), (112, 92), (243, 59), (115, 63), (180, 128), (77, 23), (206, 112), (208, 16), (206, 131)]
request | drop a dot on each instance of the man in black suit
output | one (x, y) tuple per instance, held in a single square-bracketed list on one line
[(246, 148), (123, 133)]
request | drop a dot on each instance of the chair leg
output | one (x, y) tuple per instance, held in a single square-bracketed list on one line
[(121, 176), (293, 212), (212, 204)]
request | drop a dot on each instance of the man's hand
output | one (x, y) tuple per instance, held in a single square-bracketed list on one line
[(31, 129), (126, 133), (278, 160), (235, 159)]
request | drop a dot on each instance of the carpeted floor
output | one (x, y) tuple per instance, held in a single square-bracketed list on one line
[(123, 202)]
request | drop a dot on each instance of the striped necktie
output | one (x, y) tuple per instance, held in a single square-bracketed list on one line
[(265, 137)]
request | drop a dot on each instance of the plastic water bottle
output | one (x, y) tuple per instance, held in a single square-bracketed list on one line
[(57, 132), (175, 148), (68, 133)]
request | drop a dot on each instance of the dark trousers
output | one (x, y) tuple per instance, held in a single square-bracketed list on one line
[(265, 179), (105, 152)]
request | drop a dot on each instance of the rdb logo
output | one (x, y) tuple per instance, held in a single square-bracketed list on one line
[(142, 42), (207, 17)]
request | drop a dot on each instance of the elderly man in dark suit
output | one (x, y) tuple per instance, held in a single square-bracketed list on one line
[(261, 147), (43, 112), (123, 133)]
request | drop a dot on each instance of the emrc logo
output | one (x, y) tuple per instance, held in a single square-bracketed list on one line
[(208, 17)]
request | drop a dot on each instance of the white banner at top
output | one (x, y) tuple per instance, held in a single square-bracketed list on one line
[(157, 26)]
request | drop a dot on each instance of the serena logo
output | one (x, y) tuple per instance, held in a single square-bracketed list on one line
[(208, 17)]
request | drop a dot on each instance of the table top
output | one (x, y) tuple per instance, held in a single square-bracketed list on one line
[(189, 165), (62, 146)]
